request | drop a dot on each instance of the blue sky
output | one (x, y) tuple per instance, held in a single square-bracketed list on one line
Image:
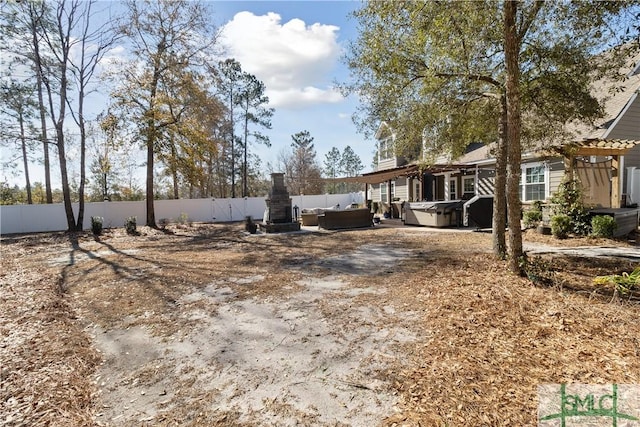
[(295, 48)]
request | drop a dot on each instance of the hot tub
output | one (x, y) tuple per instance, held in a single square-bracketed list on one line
[(433, 214)]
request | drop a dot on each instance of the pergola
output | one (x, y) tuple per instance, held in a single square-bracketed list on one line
[(407, 171), (600, 147)]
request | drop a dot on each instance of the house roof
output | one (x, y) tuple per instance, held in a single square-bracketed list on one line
[(479, 154), (617, 96)]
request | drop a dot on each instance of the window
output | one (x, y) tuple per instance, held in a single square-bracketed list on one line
[(384, 197), (452, 189), (385, 150), (468, 187), (417, 195), (534, 179)]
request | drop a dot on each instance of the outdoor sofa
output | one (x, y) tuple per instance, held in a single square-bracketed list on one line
[(348, 218), (310, 216)]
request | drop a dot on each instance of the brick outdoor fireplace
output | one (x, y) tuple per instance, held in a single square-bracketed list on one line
[(278, 216)]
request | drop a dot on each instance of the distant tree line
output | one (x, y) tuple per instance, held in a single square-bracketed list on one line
[(195, 117)]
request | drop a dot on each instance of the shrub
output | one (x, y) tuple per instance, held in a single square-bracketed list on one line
[(250, 226), (538, 270), (569, 202), (184, 219), (561, 226), (537, 205), (531, 218), (130, 225), (603, 226), (623, 283), (96, 225)]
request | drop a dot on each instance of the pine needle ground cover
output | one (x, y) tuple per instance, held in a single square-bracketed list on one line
[(207, 325)]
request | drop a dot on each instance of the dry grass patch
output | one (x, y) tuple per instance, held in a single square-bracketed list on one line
[(45, 357)]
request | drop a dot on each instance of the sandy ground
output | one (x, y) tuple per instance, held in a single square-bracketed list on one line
[(311, 357)]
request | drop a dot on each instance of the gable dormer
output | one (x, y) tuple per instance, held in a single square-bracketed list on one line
[(386, 150)]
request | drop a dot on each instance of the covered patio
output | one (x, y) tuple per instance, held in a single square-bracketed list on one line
[(603, 179)]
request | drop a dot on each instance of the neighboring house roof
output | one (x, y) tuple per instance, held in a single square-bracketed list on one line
[(480, 154), (618, 97), (475, 152)]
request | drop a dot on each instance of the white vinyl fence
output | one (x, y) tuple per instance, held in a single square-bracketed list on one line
[(36, 218)]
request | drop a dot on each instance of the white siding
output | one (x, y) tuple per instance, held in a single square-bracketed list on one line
[(375, 192), (556, 174), (632, 158), (387, 164), (402, 191), (390, 163)]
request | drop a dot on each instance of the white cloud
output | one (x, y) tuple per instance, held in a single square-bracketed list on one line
[(300, 97), (115, 55), (293, 59)]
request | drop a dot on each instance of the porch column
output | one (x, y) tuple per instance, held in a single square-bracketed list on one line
[(447, 183), (366, 193), (476, 183), (615, 181), (390, 198)]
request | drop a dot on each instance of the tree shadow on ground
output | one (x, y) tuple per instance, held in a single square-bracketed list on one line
[(576, 274)]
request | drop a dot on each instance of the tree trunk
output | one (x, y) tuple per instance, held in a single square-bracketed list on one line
[(45, 143), (511, 52), (174, 171), (25, 160), (60, 140), (151, 135), (83, 149), (105, 187), (66, 192), (233, 148), (151, 215), (244, 163), (499, 219), (41, 106), (64, 178)]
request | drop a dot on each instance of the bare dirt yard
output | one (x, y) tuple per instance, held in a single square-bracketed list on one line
[(206, 325)]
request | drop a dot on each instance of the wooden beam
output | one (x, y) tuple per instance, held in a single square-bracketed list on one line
[(615, 182), (594, 151)]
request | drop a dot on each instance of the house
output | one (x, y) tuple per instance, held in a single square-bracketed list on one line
[(605, 157)]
